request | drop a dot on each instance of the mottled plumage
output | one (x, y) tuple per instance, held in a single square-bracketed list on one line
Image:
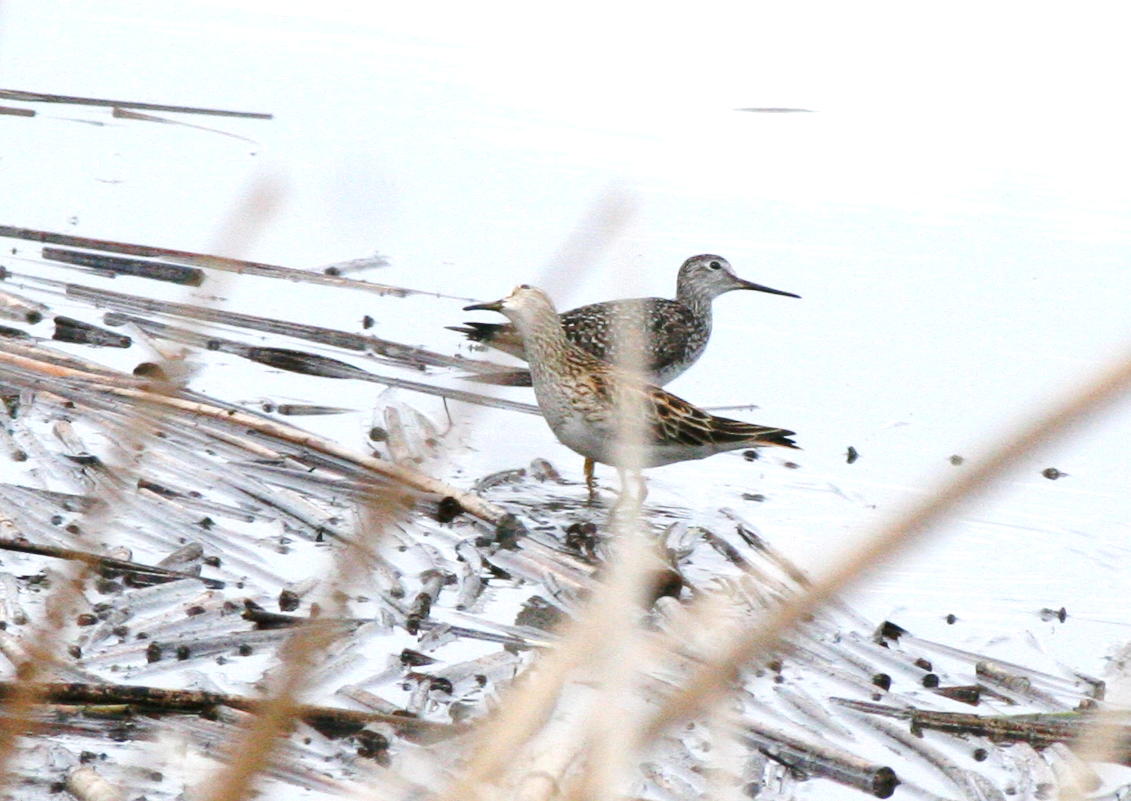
[(677, 330), (583, 398)]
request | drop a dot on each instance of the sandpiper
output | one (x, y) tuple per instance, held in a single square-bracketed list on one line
[(584, 399), (677, 330)]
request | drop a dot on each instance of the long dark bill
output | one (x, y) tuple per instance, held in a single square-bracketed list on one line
[(760, 288), (495, 306)]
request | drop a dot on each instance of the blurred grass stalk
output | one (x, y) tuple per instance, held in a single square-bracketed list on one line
[(1057, 421), (251, 750)]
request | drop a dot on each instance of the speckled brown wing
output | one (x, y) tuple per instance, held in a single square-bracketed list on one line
[(673, 333), (676, 421), (592, 329), (675, 337)]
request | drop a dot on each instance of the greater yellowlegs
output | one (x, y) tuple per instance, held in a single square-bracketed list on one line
[(584, 399), (676, 330)]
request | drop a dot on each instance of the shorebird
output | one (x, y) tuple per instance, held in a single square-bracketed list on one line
[(587, 401), (677, 330)]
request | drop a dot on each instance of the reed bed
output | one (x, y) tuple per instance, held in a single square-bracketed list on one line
[(201, 598)]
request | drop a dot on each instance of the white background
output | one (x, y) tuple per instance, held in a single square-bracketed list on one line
[(954, 213)]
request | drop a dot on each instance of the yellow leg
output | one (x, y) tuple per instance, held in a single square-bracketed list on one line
[(590, 481)]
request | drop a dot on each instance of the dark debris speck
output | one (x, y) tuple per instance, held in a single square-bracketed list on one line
[(538, 613), (448, 509), (1054, 614), (289, 601)]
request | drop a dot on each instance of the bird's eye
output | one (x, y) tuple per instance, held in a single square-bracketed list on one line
[(715, 265)]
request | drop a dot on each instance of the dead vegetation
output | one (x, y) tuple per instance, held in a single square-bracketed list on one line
[(400, 637)]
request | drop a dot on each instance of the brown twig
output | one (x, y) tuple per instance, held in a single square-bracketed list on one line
[(160, 700), (222, 263), (105, 564), (1039, 731), (132, 389)]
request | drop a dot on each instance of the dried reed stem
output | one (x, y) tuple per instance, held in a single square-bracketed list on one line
[(42, 650), (252, 748), (135, 391)]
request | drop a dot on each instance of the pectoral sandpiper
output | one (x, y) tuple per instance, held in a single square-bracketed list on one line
[(677, 330), (584, 399)]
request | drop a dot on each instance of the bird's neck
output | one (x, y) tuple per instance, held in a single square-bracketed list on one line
[(696, 299), (546, 345)]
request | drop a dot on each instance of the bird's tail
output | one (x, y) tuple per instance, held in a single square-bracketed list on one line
[(503, 378), (478, 332), (737, 431), (778, 436), (500, 336)]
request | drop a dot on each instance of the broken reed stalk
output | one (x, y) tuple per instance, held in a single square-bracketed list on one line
[(42, 97), (43, 647), (253, 747), (529, 703), (410, 478), (709, 684), (160, 700), (129, 305), (125, 114), (105, 564), (1039, 731), (135, 390), (41, 654), (276, 714), (87, 784), (219, 263), (821, 759), (309, 363)]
